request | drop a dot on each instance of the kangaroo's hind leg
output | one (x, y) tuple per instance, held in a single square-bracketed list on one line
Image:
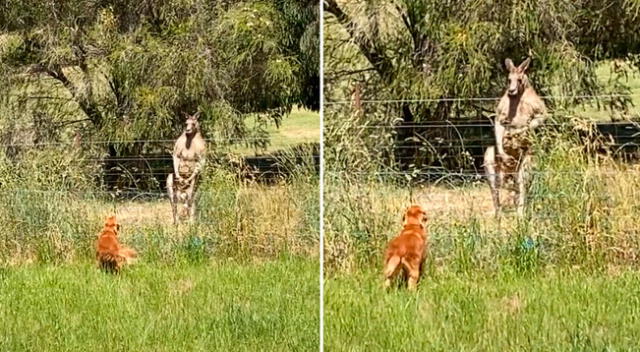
[(172, 198), (522, 181), (491, 171)]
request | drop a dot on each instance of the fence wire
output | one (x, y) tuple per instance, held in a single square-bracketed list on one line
[(447, 99)]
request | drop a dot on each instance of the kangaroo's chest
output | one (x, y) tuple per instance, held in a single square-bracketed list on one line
[(517, 115), (188, 154)]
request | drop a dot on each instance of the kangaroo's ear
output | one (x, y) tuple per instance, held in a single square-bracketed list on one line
[(524, 65), (509, 65), (196, 115), (186, 116)]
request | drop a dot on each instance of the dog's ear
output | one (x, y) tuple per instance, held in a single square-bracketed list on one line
[(110, 221)]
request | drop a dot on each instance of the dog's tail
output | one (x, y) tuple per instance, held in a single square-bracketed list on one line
[(113, 261), (391, 266), (110, 261), (129, 254)]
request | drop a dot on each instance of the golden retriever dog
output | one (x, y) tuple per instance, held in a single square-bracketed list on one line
[(110, 254), (407, 251)]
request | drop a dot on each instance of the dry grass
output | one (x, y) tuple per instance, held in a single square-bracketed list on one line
[(233, 220), (461, 202), (139, 213), (580, 212)]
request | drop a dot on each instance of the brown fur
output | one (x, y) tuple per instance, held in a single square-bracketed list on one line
[(110, 254), (407, 251), (519, 110), (188, 161)]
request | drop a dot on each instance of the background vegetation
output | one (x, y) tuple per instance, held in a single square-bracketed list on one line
[(113, 79), (456, 49)]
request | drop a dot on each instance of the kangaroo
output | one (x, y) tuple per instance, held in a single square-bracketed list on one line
[(519, 110), (188, 161)]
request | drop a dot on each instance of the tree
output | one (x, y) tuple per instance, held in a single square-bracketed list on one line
[(130, 69)]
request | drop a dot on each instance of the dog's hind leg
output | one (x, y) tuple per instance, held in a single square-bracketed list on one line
[(172, 198), (391, 268), (414, 275)]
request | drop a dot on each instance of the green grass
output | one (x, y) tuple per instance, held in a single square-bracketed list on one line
[(221, 306), (300, 126), (603, 72), (549, 311)]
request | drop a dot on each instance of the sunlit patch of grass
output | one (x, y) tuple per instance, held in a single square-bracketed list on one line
[(300, 126), (632, 81)]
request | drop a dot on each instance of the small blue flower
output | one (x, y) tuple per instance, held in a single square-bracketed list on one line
[(528, 244), (196, 241)]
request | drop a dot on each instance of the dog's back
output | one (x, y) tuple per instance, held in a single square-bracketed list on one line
[(409, 244)]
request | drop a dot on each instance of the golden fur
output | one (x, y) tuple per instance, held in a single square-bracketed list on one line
[(407, 251), (110, 254)]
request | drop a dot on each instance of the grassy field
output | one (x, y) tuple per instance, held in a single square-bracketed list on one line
[(220, 306), (300, 126), (558, 310), (632, 81)]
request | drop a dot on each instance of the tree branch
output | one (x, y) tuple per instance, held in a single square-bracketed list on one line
[(340, 73), (374, 55), (86, 105)]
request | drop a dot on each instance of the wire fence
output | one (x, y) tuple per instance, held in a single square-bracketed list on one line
[(144, 174), (452, 124), (451, 99), (133, 141), (454, 173)]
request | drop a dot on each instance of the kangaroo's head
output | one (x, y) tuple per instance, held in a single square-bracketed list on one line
[(192, 126), (518, 80)]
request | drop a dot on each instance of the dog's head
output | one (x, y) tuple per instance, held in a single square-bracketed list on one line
[(111, 224), (415, 215)]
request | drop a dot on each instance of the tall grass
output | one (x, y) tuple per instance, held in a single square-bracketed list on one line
[(581, 211), (52, 208)]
